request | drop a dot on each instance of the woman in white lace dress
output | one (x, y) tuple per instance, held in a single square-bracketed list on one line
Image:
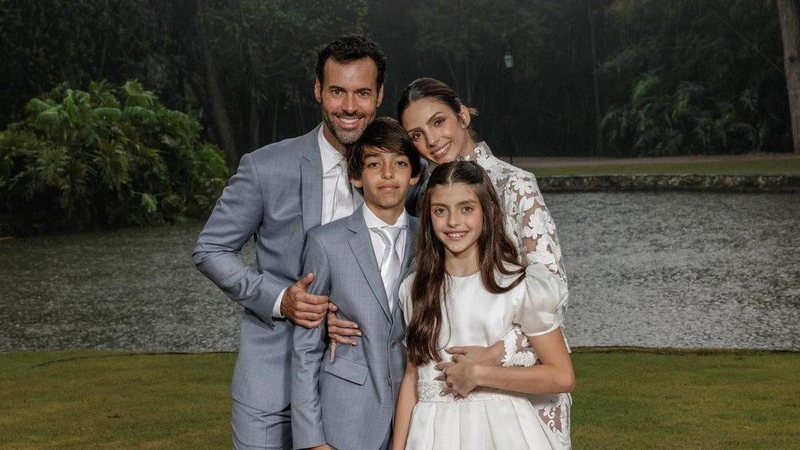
[(469, 289), (439, 124)]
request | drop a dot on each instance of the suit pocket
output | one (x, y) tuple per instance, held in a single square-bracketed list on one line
[(347, 370)]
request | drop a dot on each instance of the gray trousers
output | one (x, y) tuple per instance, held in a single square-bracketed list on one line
[(253, 429)]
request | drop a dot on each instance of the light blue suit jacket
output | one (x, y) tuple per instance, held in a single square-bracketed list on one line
[(275, 197), (350, 402)]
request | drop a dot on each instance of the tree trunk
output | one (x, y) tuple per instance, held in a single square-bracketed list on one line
[(215, 95), (255, 123), (790, 29), (598, 137)]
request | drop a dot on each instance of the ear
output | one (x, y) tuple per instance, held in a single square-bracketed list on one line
[(357, 183), (318, 90), (465, 116), (414, 180), (380, 95)]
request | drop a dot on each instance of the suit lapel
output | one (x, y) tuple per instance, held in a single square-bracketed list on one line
[(311, 176), (361, 245)]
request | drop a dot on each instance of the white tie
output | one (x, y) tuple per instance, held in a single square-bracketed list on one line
[(390, 263), (342, 195)]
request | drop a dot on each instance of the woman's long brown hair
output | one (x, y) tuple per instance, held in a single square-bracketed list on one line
[(428, 291)]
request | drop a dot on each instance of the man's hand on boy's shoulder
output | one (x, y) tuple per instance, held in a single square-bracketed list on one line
[(302, 308)]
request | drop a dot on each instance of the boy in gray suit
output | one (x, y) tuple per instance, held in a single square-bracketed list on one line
[(358, 261)]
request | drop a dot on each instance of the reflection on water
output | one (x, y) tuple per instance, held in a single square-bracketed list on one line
[(646, 269)]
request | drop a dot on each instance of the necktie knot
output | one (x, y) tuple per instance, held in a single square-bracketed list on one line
[(392, 233)]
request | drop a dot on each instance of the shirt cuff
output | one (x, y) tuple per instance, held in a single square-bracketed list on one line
[(276, 310)]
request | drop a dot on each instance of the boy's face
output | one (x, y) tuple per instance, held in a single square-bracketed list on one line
[(385, 180)]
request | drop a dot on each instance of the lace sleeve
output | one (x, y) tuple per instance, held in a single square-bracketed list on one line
[(535, 226)]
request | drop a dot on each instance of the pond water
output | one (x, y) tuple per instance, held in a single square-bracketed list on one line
[(651, 269)]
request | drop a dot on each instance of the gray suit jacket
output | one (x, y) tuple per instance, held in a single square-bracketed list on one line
[(349, 403), (276, 197)]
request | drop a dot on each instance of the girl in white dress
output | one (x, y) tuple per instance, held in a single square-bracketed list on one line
[(439, 124), (470, 289)]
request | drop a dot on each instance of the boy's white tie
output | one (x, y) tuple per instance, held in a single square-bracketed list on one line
[(390, 263)]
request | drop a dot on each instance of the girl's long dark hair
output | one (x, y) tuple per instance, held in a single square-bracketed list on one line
[(429, 287)]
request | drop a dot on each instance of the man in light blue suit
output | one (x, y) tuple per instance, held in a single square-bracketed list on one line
[(359, 262), (279, 193)]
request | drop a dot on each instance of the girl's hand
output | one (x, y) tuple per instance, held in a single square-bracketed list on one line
[(459, 374)]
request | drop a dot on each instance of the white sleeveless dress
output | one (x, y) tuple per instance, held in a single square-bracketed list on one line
[(486, 419)]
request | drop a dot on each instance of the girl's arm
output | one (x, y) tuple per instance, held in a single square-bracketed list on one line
[(552, 374), (406, 400)]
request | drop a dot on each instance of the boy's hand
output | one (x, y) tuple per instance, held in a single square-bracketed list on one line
[(339, 330)]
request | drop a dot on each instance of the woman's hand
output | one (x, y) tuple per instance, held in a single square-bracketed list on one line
[(475, 355), (459, 374)]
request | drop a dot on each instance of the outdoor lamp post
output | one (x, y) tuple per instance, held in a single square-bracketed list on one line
[(508, 59)]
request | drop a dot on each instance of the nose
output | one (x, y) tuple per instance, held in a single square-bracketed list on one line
[(453, 220), (349, 104), (387, 172), (431, 138)]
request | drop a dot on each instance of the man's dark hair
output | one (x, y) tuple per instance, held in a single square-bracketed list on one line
[(349, 48), (385, 135)]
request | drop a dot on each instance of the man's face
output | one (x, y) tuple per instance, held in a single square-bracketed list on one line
[(349, 96)]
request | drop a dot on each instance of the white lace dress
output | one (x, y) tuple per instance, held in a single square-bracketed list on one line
[(486, 419)]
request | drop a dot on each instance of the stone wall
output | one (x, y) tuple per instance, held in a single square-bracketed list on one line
[(718, 183)]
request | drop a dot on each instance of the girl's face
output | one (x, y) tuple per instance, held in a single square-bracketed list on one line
[(439, 134), (457, 219)]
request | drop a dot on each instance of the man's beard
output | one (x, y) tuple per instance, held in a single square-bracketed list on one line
[(346, 137)]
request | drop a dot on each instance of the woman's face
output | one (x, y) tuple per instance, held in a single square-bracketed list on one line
[(439, 134)]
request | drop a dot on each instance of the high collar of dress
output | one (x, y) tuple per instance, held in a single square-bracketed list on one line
[(483, 155)]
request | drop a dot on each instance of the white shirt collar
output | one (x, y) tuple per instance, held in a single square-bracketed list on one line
[(374, 221), (330, 156)]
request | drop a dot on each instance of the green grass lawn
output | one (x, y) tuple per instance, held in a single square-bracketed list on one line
[(633, 167), (624, 399)]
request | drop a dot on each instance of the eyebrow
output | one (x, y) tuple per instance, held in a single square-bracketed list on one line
[(465, 202), (435, 116), (362, 89)]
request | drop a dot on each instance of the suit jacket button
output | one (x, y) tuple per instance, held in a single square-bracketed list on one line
[(394, 343)]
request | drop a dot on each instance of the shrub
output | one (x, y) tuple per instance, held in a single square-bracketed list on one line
[(105, 157)]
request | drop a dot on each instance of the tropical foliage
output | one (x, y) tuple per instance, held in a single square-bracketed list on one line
[(615, 77), (698, 77), (107, 156)]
